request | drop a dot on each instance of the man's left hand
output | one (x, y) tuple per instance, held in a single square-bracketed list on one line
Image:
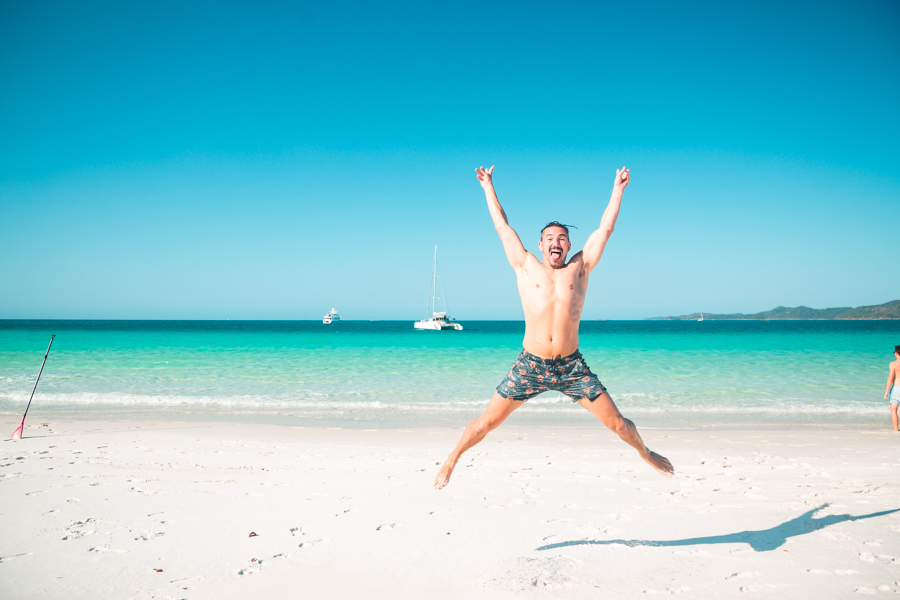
[(623, 176)]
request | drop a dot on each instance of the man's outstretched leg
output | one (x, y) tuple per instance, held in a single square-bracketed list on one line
[(496, 412), (605, 409)]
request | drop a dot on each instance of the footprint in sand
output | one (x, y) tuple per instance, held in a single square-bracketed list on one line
[(4, 559), (144, 534), (185, 581), (866, 557), (296, 531), (307, 544), (76, 530), (256, 564), (387, 526), (553, 581), (743, 575), (675, 591), (874, 589), (252, 569), (541, 573), (101, 549)]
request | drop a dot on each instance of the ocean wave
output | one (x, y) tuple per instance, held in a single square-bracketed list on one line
[(320, 402)]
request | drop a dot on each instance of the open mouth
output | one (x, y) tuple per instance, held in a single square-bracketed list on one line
[(555, 253)]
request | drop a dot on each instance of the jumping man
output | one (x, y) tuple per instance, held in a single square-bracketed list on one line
[(552, 292)]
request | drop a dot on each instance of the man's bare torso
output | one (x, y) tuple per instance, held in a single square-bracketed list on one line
[(553, 300)]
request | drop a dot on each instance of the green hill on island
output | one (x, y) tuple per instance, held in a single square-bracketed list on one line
[(888, 310)]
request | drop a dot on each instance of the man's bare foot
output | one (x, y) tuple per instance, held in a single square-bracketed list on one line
[(660, 463), (443, 476)]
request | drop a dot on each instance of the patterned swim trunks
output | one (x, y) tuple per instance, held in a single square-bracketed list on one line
[(533, 375)]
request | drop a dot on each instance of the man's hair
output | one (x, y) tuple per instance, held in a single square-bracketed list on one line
[(557, 224), (897, 349)]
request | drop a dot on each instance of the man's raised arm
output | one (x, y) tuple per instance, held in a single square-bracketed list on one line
[(593, 248), (515, 251)]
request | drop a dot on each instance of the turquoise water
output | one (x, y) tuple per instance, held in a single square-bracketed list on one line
[(384, 373)]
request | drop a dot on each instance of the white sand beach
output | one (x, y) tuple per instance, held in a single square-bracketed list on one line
[(145, 509)]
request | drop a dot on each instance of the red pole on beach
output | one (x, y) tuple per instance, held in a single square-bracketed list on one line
[(17, 434)]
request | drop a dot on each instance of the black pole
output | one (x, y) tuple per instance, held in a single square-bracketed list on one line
[(38, 377)]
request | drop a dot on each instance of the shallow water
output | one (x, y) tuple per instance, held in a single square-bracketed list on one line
[(385, 373)]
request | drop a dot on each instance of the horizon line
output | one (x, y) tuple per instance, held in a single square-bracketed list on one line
[(674, 319)]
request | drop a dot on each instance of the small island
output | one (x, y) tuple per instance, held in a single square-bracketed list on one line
[(888, 310)]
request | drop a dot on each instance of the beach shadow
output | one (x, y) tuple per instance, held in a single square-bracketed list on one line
[(761, 540)]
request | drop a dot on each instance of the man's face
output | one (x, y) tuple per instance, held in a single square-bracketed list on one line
[(555, 246)]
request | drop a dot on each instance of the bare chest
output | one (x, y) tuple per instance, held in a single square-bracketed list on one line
[(559, 285)]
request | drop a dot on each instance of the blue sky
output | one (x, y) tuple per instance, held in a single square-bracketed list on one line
[(172, 160)]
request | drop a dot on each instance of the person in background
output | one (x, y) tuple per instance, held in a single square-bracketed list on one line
[(892, 390)]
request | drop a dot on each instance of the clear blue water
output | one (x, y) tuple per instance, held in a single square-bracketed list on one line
[(385, 373)]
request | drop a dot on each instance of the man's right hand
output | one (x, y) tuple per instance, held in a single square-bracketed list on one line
[(484, 176)]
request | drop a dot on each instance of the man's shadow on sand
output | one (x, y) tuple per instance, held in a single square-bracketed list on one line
[(761, 540)]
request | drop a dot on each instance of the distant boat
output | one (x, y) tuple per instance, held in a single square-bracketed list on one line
[(330, 317), (439, 321), (701, 317)]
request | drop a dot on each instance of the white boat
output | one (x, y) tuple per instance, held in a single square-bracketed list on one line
[(701, 317), (330, 317), (439, 321)]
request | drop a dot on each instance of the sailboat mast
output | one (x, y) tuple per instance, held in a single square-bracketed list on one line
[(433, 275), (443, 295), (430, 289)]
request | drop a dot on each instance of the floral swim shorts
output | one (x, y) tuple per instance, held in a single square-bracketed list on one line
[(533, 375)]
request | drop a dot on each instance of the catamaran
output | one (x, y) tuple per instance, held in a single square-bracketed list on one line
[(330, 317), (439, 321)]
